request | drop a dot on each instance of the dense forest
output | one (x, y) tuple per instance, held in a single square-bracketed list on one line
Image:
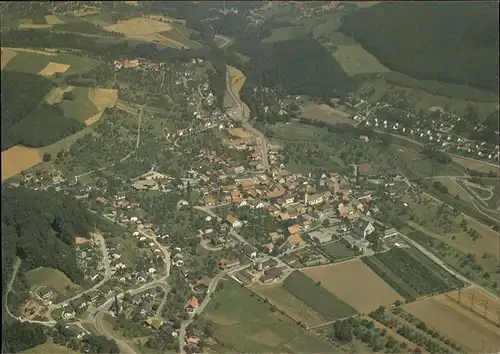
[(95, 48), (456, 43), (26, 119), (40, 228)]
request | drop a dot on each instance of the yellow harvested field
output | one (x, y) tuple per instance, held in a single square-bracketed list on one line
[(461, 324), (56, 94), (7, 56), (354, 283), (81, 240), (53, 20), (476, 165), (139, 26), (32, 25), (53, 68), (480, 299), (240, 133), (102, 99), (18, 158), (362, 4), (325, 113)]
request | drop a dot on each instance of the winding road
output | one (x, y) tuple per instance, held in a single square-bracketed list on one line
[(240, 117)]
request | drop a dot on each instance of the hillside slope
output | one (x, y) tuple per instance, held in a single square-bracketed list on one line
[(455, 42), (26, 119)]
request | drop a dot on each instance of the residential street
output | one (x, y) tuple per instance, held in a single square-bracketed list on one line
[(232, 231)]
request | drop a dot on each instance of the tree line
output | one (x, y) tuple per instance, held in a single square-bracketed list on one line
[(26, 118)]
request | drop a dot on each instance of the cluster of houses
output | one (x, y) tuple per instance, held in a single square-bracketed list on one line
[(438, 131)]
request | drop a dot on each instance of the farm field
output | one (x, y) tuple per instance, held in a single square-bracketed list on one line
[(347, 280), (102, 99), (34, 26), (53, 68), (180, 33), (145, 29), (7, 55), (325, 113), (408, 275), (427, 94), (337, 250), (285, 33), (81, 107), (53, 20), (476, 165), (460, 324), (316, 295), (51, 278), (245, 323), (288, 303), (47, 63), (18, 158), (357, 61)]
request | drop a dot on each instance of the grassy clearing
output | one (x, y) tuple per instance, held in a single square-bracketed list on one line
[(326, 30), (49, 348), (347, 280), (465, 327), (357, 61), (51, 278), (423, 97), (338, 251), (459, 92), (476, 165), (325, 113), (282, 34), (244, 323), (288, 303), (81, 108), (181, 33), (316, 296), (414, 165)]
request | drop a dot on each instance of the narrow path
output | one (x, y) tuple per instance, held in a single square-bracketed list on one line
[(17, 264), (141, 110)]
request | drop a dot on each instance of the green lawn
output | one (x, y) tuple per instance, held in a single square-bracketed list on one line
[(52, 278), (245, 323), (285, 33), (337, 250), (49, 348), (316, 296), (81, 108)]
